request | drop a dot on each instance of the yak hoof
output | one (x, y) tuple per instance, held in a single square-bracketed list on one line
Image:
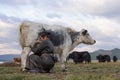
[(64, 70), (24, 70)]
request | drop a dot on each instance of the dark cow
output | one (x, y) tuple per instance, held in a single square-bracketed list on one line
[(107, 58), (103, 58), (99, 58), (115, 59), (80, 57)]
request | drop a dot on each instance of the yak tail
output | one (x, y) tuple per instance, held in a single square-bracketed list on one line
[(21, 35)]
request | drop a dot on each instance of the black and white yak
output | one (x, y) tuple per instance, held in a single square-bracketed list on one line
[(64, 39)]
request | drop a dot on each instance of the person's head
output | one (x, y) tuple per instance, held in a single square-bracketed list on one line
[(43, 37)]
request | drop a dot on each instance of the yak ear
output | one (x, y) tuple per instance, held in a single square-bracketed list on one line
[(42, 29), (84, 32)]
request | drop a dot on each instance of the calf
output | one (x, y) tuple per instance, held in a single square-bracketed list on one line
[(17, 60), (115, 59), (64, 39)]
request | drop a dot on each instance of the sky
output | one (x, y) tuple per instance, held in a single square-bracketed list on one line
[(101, 19)]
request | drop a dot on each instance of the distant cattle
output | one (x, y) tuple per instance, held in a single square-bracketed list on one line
[(103, 58), (17, 60), (80, 57), (115, 59), (64, 39)]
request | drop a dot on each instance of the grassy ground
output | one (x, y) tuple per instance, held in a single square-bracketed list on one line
[(93, 71)]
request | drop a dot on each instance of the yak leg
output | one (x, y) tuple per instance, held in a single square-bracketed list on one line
[(24, 56), (63, 61)]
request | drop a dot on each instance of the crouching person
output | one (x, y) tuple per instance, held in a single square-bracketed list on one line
[(42, 59)]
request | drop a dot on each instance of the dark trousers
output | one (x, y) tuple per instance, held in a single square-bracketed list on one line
[(45, 62)]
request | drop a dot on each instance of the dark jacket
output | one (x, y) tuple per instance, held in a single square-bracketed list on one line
[(44, 47)]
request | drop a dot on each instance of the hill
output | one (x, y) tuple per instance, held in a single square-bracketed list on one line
[(113, 52)]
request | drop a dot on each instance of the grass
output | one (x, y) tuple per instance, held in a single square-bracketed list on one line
[(93, 71)]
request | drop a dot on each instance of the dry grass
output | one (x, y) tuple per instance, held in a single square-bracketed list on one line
[(93, 71)]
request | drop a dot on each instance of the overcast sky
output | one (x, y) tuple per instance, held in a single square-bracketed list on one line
[(100, 17)]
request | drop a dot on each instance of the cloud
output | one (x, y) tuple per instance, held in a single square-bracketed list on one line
[(10, 48), (53, 15), (93, 7), (7, 29), (100, 18), (9, 38), (104, 26), (83, 47), (28, 9), (40, 10), (103, 7), (9, 19), (9, 51)]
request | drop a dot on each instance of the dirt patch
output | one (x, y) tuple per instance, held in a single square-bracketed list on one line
[(9, 64)]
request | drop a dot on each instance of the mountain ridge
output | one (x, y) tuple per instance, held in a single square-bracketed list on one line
[(112, 52)]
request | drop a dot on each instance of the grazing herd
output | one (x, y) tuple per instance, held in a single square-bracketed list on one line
[(85, 57), (80, 57), (106, 58)]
